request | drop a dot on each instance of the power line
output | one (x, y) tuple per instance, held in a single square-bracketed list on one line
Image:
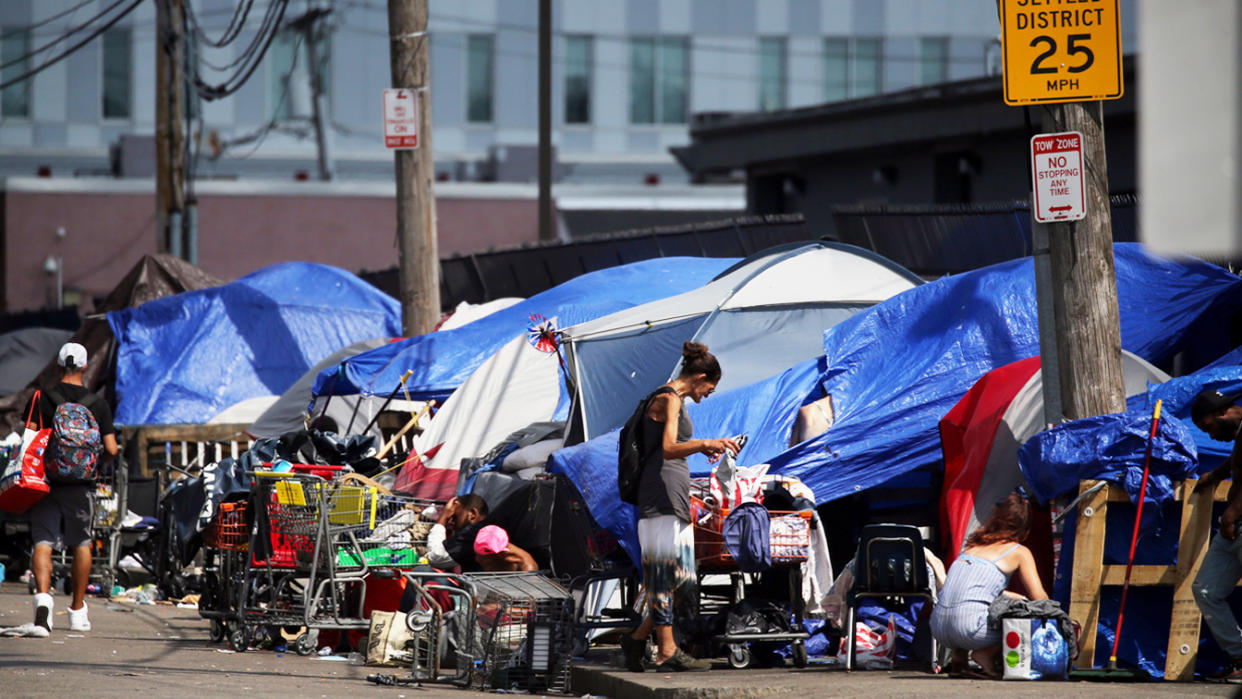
[(238, 22), (62, 55), (58, 15), (235, 82), (69, 33)]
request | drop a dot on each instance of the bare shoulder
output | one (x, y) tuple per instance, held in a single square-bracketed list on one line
[(662, 405)]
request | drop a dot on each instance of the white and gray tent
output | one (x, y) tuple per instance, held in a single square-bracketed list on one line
[(760, 317)]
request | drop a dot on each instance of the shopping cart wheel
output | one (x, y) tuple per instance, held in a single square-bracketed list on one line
[(218, 632), (739, 656), (417, 619), (239, 638), (799, 654), (304, 644)]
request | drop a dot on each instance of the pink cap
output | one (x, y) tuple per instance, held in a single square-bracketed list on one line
[(491, 539)]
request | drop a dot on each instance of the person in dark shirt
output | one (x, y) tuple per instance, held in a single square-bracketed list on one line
[(450, 543), (664, 532), (65, 514), (1221, 569)]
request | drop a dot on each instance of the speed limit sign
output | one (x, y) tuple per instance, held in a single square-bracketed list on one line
[(1061, 51)]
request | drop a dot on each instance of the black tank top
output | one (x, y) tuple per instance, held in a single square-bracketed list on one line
[(664, 488)]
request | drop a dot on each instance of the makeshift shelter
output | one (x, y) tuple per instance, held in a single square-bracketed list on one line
[(153, 277), (24, 353), (980, 437), (522, 381), (762, 316), (896, 369), (284, 414), (185, 358), (442, 361)]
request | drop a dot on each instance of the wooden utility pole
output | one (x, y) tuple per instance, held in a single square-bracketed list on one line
[(169, 132), (545, 120), (1084, 279), (419, 264)]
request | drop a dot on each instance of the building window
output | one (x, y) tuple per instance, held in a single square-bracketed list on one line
[(852, 68), (480, 71), (773, 71), (933, 60), (866, 71), (836, 69), (282, 57), (14, 49), (659, 80), (578, 80), (290, 90), (117, 63)]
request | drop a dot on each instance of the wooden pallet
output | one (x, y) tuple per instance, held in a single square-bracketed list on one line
[(1090, 573)]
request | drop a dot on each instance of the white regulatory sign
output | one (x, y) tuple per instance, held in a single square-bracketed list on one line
[(401, 119), (1056, 164)]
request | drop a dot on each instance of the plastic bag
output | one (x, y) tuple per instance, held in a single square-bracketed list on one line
[(873, 650), (731, 485)]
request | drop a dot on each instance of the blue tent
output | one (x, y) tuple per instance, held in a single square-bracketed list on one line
[(185, 358), (442, 361), (895, 369)]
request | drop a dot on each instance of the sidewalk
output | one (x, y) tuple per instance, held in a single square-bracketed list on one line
[(159, 650)]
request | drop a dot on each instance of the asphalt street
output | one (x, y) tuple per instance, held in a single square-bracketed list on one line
[(159, 651)]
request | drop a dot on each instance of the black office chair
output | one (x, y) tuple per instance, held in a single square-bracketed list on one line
[(889, 565)]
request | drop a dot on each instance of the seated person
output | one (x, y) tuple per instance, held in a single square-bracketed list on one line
[(495, 554), (993, 553), (450, 543)]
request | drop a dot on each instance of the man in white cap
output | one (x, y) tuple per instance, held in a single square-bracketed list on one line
[(65, 514)]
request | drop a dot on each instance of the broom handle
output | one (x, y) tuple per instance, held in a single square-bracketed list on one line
[(1138, 516)]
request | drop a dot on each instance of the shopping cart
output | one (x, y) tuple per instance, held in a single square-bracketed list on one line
[(226, 550), (524, 626), (283, 529), (362, 531), (789, 543)]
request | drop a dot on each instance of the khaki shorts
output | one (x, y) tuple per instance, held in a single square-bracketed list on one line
[(63, 517)]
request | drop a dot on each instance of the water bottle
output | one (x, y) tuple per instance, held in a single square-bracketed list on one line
[(1, 576)]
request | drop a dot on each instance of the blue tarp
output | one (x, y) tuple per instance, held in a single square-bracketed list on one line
[(894, 370), (442, 361), (1144, 644), (185, 358), (1114, 448)]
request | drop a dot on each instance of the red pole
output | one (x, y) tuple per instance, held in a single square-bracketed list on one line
[(1138, 515)]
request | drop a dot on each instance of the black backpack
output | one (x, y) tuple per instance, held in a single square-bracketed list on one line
[(631, 450)]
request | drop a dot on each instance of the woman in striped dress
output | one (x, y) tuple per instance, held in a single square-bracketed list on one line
[(993, 553)]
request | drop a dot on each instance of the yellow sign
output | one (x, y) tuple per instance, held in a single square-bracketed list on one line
[(1061, 50)]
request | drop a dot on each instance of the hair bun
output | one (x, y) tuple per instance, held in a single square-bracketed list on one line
[(693, 350)]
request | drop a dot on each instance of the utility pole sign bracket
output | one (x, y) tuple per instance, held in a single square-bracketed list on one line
[(1056, 169), (1061, 51), (401, 119)]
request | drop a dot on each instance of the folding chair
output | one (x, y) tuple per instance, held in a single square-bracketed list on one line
[(889, 565)]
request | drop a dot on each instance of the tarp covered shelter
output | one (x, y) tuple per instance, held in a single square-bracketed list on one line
[(153, 277), (522, 381), (760, 317), (442, 361), (24, 353), (285, 414), (185, 358), (897, 368), (980, 437)]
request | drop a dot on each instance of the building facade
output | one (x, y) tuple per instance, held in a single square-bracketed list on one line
[(627, 75)]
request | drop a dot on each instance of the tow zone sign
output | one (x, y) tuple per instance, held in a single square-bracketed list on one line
[(1056, 169), (401, 119)]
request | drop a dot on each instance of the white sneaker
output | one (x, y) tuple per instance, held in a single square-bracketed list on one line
[(78, 621), (43, 603)]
